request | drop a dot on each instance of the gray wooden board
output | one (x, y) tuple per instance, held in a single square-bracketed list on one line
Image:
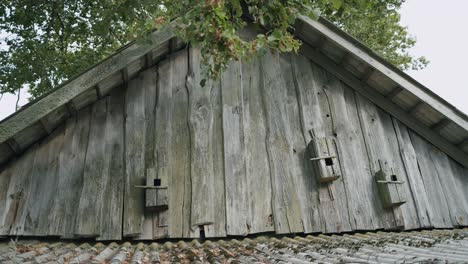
[(258, 181), (135, 135), (179, 160), (218, 229), (70, 172), (460, 174), (163, 137), (326, 214), (5, 176), (148, 79), (300, 169), (50, 189), (453, 190), (17, 192), (237, 220), (280, 143), (414, 177), (200, 118), (382, 144), (358, 180), (37, 195), (95, 174), (441, 214), (112, 206)]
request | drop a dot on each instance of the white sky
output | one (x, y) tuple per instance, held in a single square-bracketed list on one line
[(442, 37)]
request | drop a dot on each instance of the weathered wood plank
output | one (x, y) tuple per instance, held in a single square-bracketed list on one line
[(301, 169), (453, 191), (51, 186), (414, 177), (17, 193), (113, 183), (95, 173), (163, 139), (437, 200), (5, 175), (460, 175), (256, 157), (201, 135), (70, 173), (358, 180), (237, 220), (218, 229), (179, 182), (327, 213), (280, 147), (382, 145), (135, 135)]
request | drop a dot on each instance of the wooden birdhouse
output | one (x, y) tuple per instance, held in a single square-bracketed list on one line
[(324, 158), (390, 186), (156, 197)]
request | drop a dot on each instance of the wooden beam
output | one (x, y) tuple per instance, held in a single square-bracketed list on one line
[(344, 59), (148, 59), (415, 108), (62, 95), (367, 74), (14, 146), (348, 44), (443, 123), (71, 108), (44, 126), (124, 73), (464, 144), (383, 102), (98, 91), (393, 93)]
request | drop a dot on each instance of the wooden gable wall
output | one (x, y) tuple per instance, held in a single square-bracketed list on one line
[(233, 156)]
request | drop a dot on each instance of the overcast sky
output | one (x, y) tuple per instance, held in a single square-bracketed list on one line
[(440, 28)]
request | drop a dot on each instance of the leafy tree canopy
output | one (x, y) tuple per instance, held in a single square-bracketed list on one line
[(48, 41)]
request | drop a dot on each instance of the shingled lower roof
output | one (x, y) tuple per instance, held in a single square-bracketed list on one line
[(436, 246), (392, 90)]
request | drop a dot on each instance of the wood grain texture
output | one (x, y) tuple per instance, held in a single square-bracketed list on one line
[(5, 176), (17, 193), (256, 158), (364, 213), (135, 135), (96, 170), (200, 119), (70, 171), (441, 215), (327, 214), (113, 183), (237, 220), (280, 148), (410, 164), (179, 161), (382, 145)]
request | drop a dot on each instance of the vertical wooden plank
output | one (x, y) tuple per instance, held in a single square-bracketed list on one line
[(135, 135), (301, 167), (256, 158), (453, 190), (179, 182), (328, 213), (95, 173), (52, 183), (414, 177), (112, 207), (237, 220), (280, 147), (460, 175), (441, 214), (218, 229), (357, 177), (17, 193), (382, 144), (163, 139), (201, 135), (5, 175), (70, 173)]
